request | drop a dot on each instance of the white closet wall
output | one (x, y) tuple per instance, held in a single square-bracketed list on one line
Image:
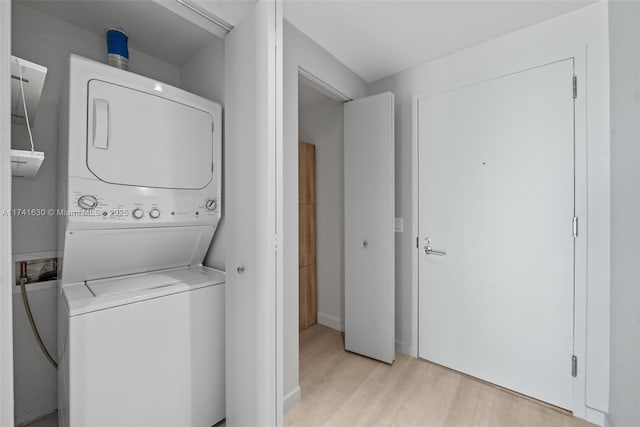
[(625, 203)]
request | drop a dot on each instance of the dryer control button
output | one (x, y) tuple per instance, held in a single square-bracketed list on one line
[(137, 213), (211, 205), (154, 213), (88, 202)]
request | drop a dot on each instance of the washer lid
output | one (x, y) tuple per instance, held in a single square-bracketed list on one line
[(95, 295), (137, 282), (97, 254)]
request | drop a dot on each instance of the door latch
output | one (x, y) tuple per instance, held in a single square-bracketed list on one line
[(429, 251)]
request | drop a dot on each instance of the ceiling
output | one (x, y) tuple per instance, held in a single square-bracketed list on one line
[(374, 38), (152, 28), (377, 38)]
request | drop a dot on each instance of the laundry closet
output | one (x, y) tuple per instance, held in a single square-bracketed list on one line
[(177, 53)]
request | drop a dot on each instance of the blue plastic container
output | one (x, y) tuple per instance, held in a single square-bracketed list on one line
[(117, 48)]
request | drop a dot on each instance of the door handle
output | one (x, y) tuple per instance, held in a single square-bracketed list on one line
[(428, 251), (101, 124)]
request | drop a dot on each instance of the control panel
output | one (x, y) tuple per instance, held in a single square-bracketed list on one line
[(139, 206), (210, 204), (87, 202), (137, 213)]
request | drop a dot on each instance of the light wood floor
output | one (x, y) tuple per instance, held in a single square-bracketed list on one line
[(343, 389)]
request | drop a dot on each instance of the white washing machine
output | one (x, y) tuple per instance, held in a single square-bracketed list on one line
[(144, 350), (141, 321)]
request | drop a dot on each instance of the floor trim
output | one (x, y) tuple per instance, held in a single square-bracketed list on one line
[(596, 417), (331, 322), (291, 399), (406, 348)]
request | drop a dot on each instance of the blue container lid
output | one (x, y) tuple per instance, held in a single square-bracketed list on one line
[(117, 42)]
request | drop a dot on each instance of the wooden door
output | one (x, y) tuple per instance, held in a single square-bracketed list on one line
[(308, 293), (496, 202)]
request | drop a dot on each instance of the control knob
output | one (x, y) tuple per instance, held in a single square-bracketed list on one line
[(211, 205), (137, 213), (154, 213), (88, 202)]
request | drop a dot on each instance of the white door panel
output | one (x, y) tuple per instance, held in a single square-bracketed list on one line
[(369, 233), (250, 141), (496, 193), (126, 125)]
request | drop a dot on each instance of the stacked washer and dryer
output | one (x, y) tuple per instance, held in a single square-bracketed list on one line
[(141, 320)]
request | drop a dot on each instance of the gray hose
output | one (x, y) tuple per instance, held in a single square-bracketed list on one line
[(34, 328)]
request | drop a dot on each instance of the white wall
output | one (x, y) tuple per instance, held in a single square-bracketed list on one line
[(300, 51), (322, 124), (48, 41), (203, 74), (581, 34), (625, 210)]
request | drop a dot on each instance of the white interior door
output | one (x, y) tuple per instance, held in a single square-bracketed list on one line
[(496, 193), (369, 244), (252, 386)]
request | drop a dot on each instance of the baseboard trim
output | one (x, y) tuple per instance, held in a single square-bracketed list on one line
[(291, 399), (596, 417), (406, 348), (331, 322)]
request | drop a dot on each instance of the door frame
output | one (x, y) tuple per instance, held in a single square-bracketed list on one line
[(321, 86), (299, 64), (6, 300), (579, 407), (276, 169)]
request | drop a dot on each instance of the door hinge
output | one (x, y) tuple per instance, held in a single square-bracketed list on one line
[(417, 242), (575, 87), (575, 227), (574, 366)]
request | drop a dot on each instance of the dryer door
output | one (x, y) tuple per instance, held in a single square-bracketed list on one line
[(141, 139)]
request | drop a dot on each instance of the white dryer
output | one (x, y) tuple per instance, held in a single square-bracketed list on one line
[(141, 321)]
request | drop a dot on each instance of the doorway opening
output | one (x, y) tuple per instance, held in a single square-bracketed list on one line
[(321, 210)]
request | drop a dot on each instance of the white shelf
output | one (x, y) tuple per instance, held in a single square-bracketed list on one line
[(25, 163), (33, 76)]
